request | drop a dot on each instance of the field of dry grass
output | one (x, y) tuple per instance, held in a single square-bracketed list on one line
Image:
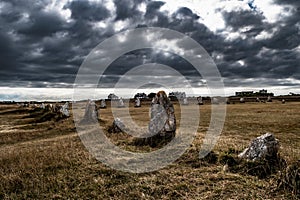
[(45, 159)]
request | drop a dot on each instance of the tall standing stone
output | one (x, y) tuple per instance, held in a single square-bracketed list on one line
[(137, 103), (91, 113), (163, 121)]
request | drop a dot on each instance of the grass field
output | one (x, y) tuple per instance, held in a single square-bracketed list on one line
[(45, 159)]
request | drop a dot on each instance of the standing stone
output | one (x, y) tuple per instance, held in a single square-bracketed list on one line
[(64, 110), (91, 113), (163, 121), (42, 106), (199, 99), (257, 99), (185, 102), (102, 104), (137, 103), (269, 99), (227, 100), (214, 100), (121, 103), (242, 100), (263, 147)]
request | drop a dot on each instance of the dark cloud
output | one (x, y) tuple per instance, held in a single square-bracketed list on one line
[(127, 9), (153, 9), (41, 24), (44, 48), (88, 11), (240, 19)]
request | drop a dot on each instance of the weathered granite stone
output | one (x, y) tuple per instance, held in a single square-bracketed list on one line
[(102, 104), (121, 103), (91, 112), (163, 119), (64, 110), (227, 100), (118, 126), (199, 99), (263, 147), (214, 100), (137, 103), (269, 99), (185, 102)]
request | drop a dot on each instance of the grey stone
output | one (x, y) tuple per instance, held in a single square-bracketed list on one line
[(118, 126), (91, 112), (200, 101), (263, 147), (185, 101), (121, 103), (269, 99), (64, 110), (163, 119), (102, 103), (137, 103)]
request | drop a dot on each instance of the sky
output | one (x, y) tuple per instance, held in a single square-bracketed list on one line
[(255, 44)]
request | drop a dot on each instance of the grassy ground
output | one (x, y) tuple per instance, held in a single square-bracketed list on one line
[(46, 159)]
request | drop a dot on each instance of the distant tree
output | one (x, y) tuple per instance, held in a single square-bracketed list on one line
[(151, 95), (140, 95), (112, 96)]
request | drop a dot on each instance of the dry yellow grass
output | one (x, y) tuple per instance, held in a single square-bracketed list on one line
[(47, 160)]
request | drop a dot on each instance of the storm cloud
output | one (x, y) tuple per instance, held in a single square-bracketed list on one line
[(43, 43)]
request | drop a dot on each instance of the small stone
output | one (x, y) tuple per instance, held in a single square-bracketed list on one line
[(118, 126)]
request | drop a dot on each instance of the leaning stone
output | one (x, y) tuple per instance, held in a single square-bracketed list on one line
[(263, 147), (118, 126)]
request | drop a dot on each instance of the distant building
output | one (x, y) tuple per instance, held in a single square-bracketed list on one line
[(112, 96), (244, 93), (263, 91)]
